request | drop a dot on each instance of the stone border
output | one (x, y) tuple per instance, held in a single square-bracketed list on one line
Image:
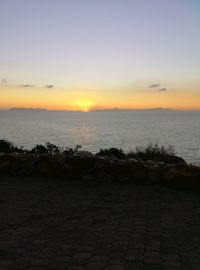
[(88, 167)]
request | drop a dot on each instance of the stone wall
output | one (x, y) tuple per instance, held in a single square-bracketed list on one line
[(88, 167)]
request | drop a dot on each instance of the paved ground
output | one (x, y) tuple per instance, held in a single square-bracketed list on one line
[(58, 225)]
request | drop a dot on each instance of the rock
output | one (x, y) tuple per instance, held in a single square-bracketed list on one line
[(80, 163), (131, 162), (117, 167), (182, 176), (138, 176), (105, 177), (153, 173), (170, 174), (175, 160), (193, 170), (101, 163), (5, 166), (84, 154), (150, 163), (161, 163), (43, 165), (87, 177), (84, 165)]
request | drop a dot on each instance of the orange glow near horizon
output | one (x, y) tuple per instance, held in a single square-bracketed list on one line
[(86, 100), (84, 105)]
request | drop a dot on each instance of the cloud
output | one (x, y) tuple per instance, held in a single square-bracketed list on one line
[(27, 85), (154, 85), (158, 85), (162, 89), (49, 86), (4, 81)]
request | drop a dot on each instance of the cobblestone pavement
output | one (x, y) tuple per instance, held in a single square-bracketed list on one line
[(54, 224)]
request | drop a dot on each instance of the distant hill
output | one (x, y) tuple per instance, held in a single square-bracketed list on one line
[(28, 110), (21, 109), (131, 110)]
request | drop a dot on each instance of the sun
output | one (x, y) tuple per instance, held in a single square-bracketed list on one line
[(84, 105)]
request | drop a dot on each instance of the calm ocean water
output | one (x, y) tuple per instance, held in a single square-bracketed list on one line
[(96, 130)]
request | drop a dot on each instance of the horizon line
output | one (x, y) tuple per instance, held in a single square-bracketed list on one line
[(96, 110)]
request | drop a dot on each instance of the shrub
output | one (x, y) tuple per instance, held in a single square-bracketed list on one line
[(154, 152), (150, 152), (48, 148), (9, 147), (71, 151), (118, 152), (52, 148), (39, 149)]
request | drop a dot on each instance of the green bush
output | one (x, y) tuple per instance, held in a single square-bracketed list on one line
[(150, 152), (39, 149), (52, 148), (9, 147), (118, 152), (71, 151), (48, 148), (155, 153)]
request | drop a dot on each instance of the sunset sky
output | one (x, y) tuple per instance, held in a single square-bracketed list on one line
[(85, 54)]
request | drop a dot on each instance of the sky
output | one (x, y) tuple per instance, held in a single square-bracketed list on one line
[(89, 54)]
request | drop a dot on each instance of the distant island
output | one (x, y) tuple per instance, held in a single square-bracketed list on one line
[(23, 109), (130, 110), (158, 109)]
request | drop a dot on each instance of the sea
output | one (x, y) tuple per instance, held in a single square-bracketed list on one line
[(103, 129)]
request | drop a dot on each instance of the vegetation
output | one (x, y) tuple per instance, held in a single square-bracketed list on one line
[(71, 151), (9, 147), (49, 148), (117, 152), (39, 149), (152, 152)]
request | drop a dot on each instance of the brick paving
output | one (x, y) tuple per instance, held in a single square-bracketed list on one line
[(55, 224)]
